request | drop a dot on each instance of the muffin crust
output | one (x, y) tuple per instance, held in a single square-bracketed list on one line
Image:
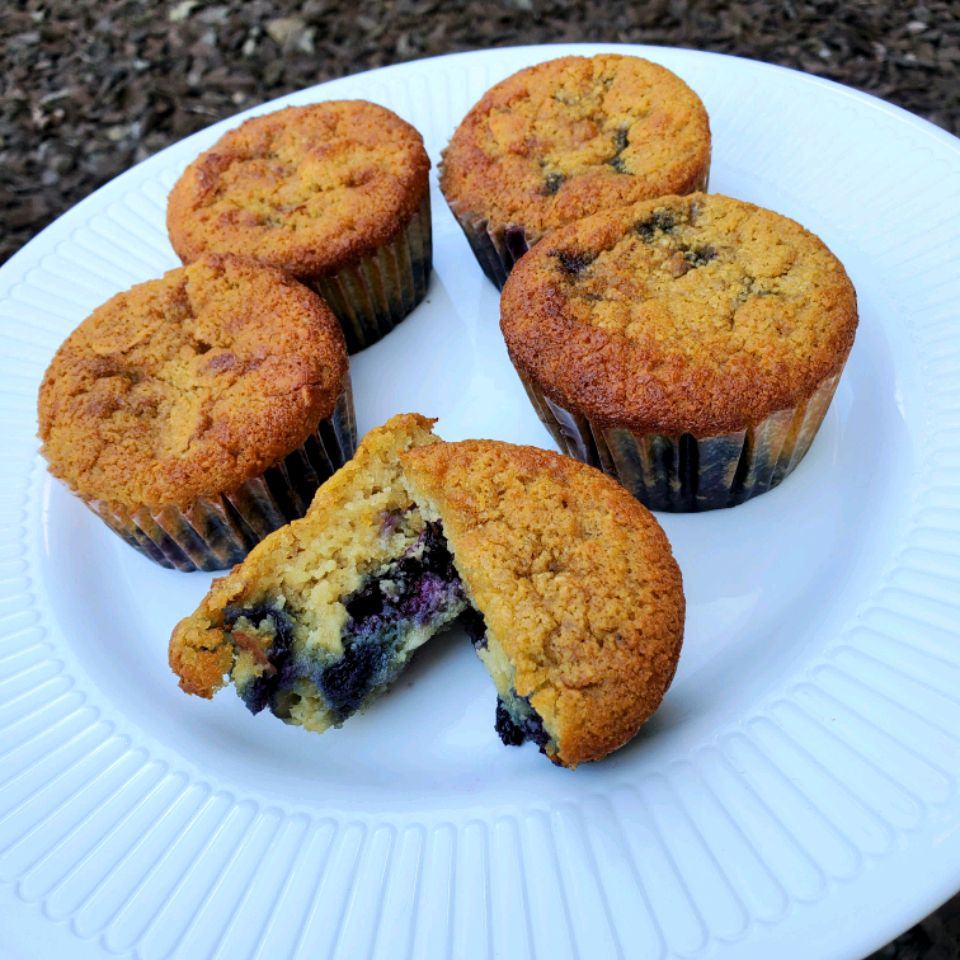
[(698, 314), (189, 385), (563, 139), (308, 189)]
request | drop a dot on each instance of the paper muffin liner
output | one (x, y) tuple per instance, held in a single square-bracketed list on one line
[(370, 297), (498, 247), (687, 473), (214, 533)]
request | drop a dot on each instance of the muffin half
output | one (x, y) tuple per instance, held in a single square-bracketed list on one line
[(323, 615), (564, 139), (198, 412), (688, 346), (579, 602), (334, 193)]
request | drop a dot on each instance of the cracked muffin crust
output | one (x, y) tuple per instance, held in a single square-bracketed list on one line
[(565, 583), (334, 193), (197, 412), (564, 139), (581, 600), (688, 345)]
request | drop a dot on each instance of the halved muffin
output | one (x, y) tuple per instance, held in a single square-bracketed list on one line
[(566, 584)]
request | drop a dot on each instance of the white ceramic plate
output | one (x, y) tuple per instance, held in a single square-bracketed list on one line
[(796, 795)]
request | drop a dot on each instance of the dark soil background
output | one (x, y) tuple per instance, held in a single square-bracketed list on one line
[(90, 87)]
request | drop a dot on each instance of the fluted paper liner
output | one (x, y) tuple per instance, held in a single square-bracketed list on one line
[(687, 473), (373, 295)]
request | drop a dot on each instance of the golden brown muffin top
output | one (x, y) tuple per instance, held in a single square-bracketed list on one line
[(190, 385), (697, 314), (308, 189), (563, 139), (575, 580)]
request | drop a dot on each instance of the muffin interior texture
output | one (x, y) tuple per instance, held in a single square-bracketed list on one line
[(396, 608), (191, 384), (565, 138), (305, 188)]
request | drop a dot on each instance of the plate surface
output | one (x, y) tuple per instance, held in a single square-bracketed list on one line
[(796, 795)]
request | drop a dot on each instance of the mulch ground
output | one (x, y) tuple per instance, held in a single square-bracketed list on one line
[(91, 87)]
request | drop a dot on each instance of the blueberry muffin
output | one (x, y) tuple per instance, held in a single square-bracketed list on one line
[(688, 346), (565, 139), (566, 584), (334, 193), (197, 413), (578, 602), (323, 615)]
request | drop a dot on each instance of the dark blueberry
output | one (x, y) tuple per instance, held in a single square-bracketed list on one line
[(699, 257), (552, 183), (436, 557), (510, 733), (346, 682), (513, 733), (472, 621), (366, 602), (426, 598), (619, 145), (572, 264), (258, 693), (662, 220)]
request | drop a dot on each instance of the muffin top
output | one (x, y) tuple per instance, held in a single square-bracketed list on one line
[(574, 578), (566, 138), (190, 385), (697, 314), (308, 189)]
